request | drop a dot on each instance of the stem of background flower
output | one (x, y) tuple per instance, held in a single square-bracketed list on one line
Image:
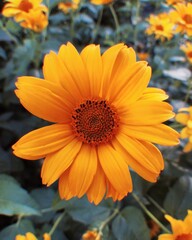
[(97, 25), (150, 214), (156, 205), (116, 22), (136, 21), (56, 223), (188, 90), (8, 33), (109, 219)]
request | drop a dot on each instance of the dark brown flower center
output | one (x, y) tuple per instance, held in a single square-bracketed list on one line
[(187, 18), (95, 122), (25, 6), (189, 54), (184, 237), (159, 27)]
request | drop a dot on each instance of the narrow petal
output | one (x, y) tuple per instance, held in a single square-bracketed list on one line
[(64, 187), (152, 113), (113, 164), (188, 221), (43, 99), (182, 118), (161, 134), (111, 192), (83, 171), (54, 70), (134, 164), (56, 163), (38, 143), (97, 188), (108, 59), (154, 94), (178, 226), (166, 237), (132, 85), (143, 152), (30, 236), (92, 60), (75, 66)]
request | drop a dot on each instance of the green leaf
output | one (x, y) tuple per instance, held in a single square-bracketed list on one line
[(178, 199), (14, 200), (130, 224), (11, 231)]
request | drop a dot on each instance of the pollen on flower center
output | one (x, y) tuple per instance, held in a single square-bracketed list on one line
[(25, 5), (95, 121), (185, 237)]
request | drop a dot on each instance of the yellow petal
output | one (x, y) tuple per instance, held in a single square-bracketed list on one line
[(161, 134), (97, 188), (115, 169), (177, 226), (75, 66), (147, 113), (64, 187), (43, 99), (56, 163), (182, 118), (38, 143), (83, 168), (92, 59), (154, 94), (30, 236), (166, 237)]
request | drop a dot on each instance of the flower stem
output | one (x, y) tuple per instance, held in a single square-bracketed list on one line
[(56, 223), (104, 223), (156, 205), (97, 25), (150, 214), (116, 22)]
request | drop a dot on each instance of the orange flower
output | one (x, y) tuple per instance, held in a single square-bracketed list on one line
[(15, 8), (67, 6), (96, 103), (161, 26), (91, 235), (187, 48), (36, 20), (99, 2), (143, 55), (173, 2), (182, 17), (185, 117), (31, 236), (182, 230)]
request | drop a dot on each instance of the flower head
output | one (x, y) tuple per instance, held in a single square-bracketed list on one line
[(182, 230), (185, 117), (96, 102), (15, 8), (99, 2), (67, 6), (31, 236), (91, 235), (161, 26), (187, 48), (173, 2), (143, 55), (182, 16)]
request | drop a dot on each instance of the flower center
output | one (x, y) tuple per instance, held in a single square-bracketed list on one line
[(159, 27), (187, 18), (95, 121), (189, 54), (184, 237), (25, 6)]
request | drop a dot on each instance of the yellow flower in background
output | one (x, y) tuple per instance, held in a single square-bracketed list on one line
[(36, 20), (161, 26), (187, 48), (31, 236), (182, 17), (67, 6), (182, 230), (173, 2), (99, 2), (15, 8), (91, 235), (105, 120), (185, 117)]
